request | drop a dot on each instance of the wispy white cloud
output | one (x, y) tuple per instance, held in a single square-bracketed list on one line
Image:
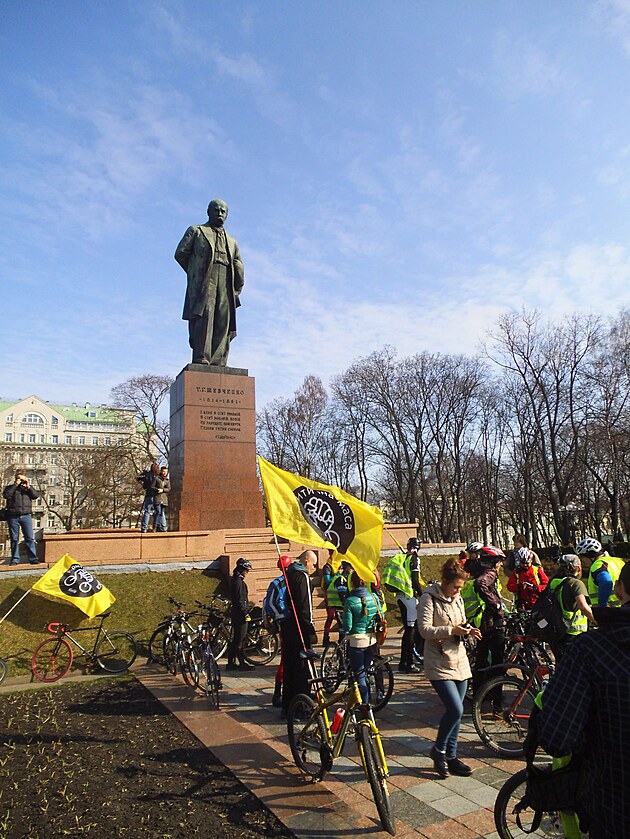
[(522, 67)]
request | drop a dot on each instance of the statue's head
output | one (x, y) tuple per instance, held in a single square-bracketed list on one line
[(217, 212)]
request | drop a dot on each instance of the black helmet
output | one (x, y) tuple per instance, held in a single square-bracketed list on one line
[(243, 565), (413, 543)]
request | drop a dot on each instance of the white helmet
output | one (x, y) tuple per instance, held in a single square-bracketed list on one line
[(522, 556), (587, 546), (474, 547)]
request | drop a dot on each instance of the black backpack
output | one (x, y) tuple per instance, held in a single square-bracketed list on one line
[(547, 620)]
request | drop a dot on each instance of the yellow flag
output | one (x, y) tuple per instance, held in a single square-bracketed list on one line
[(323, 516), (70, 581)]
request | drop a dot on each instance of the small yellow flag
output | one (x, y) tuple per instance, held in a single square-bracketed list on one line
[(70, 581), (323, 516)]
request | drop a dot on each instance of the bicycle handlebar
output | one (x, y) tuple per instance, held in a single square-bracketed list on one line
[(54, 627)]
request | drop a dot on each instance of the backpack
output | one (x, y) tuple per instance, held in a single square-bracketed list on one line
[(146, 479), (276, 604), (547, 619)]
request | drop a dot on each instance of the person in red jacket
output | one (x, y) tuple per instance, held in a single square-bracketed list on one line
[(527, 580)]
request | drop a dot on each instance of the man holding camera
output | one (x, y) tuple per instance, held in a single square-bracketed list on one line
[(19, 497)]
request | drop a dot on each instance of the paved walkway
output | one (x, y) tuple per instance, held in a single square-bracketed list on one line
[(247, 736)]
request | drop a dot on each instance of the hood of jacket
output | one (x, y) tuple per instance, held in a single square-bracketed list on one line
[(435, 591), (614, 623)]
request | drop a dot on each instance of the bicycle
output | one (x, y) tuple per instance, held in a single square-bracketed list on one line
[(209, 666), (164, 628), (502, 724), (335, 667), (515, 818), (3, 670), (315, 742), (180, 649), (113, 651)]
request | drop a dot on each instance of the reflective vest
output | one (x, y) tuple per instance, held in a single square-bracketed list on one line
[(576, 622), (397, 574), (333, 596), (614, 569), (474, 605)]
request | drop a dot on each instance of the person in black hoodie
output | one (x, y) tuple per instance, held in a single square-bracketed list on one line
[(297, 631), (19, 497), (586, 708), (239, 614)]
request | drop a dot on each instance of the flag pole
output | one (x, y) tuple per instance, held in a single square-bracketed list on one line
[(15, 605)]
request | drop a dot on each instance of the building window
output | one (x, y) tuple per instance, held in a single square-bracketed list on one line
[(91, 413), (54, 421), (31, 460), (8, 438), (9, 419), (82, 441), (121, 441), (53, 480), (42, 438), (22, 438), (108, 441), (51, 521), (38, 521), (42, 458), (68, 440), (51, 500), (55, 438), (66, 499), (53, 459), (31, 438), (95, 441), (33, 419)]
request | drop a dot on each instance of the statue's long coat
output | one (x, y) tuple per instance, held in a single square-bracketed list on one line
[(195, 253)]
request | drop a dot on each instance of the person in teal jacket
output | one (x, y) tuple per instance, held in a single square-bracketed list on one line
[(360, 613)]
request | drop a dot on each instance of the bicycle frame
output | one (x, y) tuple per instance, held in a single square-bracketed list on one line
[(61, 631)]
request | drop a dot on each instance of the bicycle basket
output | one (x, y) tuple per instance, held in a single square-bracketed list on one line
[(551, 790)]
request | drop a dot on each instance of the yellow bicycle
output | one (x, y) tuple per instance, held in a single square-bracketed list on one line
[(316, 741)]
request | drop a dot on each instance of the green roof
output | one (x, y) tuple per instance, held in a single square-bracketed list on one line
[(81, 413)]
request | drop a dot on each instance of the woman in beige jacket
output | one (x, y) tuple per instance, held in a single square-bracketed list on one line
[(442, 623)]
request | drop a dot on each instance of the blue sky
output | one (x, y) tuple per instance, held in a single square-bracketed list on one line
[(396, 173)]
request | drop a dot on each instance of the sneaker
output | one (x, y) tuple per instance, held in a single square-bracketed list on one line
[(277, 700), (14, 562), (34, 561), (230, 666), (439, 762), (458, 767)]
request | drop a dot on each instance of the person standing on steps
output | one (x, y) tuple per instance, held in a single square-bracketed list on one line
[(19, 497), (239, 612)]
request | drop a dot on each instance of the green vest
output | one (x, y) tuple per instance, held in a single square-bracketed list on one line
[(576, 621), (397, 574), (332, 592), (614, 569), (473, 604)]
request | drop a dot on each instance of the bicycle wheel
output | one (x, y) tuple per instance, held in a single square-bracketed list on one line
[(116, 651), (307, 736), (501, 712), (261, 646), (213, 682), (376, 775), (220, 639), (3, 670), (52, 660), (156, 643), (380, 679), (190, 663), (332, 668), (169, 651), (507, 808)]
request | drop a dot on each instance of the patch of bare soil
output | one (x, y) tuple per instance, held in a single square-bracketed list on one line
[(105, 759)]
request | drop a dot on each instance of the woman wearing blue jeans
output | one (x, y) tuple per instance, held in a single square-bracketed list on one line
[(360, 611), (442, 623)]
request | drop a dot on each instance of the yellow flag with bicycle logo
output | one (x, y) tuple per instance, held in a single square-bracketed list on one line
[(70, 581), (324, 516)]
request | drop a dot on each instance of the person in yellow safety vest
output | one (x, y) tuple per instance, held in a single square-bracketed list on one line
[(573, 599), (401, 576), (604, 571)]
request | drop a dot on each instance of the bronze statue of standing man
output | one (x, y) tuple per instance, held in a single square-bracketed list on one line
[(214, 270)]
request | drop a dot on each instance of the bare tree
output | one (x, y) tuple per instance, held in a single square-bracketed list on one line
[(145, 395)]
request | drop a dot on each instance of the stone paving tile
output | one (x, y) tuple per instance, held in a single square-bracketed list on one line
[(454, 805), (483, 796), (450, 828), (415, 813), (427, 792), (481, 821), (492, 776)]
